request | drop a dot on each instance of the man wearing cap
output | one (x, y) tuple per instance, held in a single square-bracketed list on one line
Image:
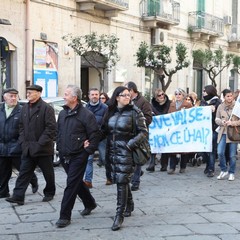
[(37, 132), (10, 150)]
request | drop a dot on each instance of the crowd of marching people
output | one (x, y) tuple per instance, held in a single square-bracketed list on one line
[(105, 124)]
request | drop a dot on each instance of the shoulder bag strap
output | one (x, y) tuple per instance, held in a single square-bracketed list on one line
[(134, 123)]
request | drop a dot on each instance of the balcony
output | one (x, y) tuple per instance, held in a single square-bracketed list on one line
[(160, 13), (204, 26), (234, 37), (110, 8)]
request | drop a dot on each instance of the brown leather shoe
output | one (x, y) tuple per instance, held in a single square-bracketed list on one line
[(88, 184), (109, 182)]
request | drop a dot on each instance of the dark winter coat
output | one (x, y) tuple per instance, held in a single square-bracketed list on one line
[(215, 101), (159, 109), (37, 129), (121, 140), (9, 132), (74, 127), (145, 106), (98, 111)]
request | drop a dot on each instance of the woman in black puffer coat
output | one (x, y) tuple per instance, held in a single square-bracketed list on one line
[(121, 140)]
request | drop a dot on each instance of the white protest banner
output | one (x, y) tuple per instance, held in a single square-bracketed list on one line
[(188, 130), (236, 108)]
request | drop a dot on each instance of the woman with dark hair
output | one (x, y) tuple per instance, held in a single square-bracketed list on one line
[(225, 118), (121, 140), (210, 98), (104, 98)]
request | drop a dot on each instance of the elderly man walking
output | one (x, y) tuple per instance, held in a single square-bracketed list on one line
[(37, 132), (77, 137), (10, 149)]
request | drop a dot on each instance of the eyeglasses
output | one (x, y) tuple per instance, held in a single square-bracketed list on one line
[(177, 94), (124, 95), (102, 98), (159, 95)]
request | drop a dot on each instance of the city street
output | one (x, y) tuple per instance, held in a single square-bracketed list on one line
[(186, 206)]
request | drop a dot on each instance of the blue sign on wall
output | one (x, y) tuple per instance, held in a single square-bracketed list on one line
[(45, 67)]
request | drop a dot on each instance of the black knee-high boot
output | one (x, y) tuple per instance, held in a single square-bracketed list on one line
[(130, 204), (122, 190), (151, 167)]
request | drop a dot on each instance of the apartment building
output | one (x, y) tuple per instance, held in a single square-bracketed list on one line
[(38, 54)]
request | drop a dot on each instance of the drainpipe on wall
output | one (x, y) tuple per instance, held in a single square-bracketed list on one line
[(28, 45)]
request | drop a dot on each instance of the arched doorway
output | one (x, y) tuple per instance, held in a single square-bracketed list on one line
[(93, 73)]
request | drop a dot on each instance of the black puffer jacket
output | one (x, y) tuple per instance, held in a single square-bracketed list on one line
[(120, 139), (9, 132)]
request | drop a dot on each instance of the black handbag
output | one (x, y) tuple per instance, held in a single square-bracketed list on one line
[(233, 133), (142, 153)]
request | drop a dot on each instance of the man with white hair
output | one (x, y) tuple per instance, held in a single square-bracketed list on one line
[(77, 138)]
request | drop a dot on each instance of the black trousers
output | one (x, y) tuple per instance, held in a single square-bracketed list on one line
[(6, 165), (28, 165), (183, 161), (75, 169)]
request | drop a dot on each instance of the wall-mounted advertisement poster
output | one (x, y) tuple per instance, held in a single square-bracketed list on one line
[(45, 67)]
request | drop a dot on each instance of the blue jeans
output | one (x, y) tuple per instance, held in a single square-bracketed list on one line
[(232, 155), (89, 168), (102, 151), (136, 175)]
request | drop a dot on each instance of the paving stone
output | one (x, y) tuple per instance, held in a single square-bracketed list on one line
[(179, 207)]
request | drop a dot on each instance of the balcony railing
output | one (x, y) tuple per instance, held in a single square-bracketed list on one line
[(235, 33), (234, 37), (161, 11), (205, 23)]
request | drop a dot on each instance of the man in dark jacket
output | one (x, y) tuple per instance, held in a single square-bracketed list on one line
[(146, 108), (10, 150), (77, 137), (98, 109), (37, 132)]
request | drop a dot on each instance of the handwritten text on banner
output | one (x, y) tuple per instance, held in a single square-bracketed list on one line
[(188, 130)]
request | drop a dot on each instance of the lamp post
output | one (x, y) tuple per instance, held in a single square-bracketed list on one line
[(4, 49)]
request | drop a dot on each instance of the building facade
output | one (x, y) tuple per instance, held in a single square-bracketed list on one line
[(38, 54)]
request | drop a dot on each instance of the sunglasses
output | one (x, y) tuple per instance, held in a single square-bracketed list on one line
[(159, 95)]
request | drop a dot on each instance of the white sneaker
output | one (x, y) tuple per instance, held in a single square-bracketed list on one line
[(231, 177), (222, 175)]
